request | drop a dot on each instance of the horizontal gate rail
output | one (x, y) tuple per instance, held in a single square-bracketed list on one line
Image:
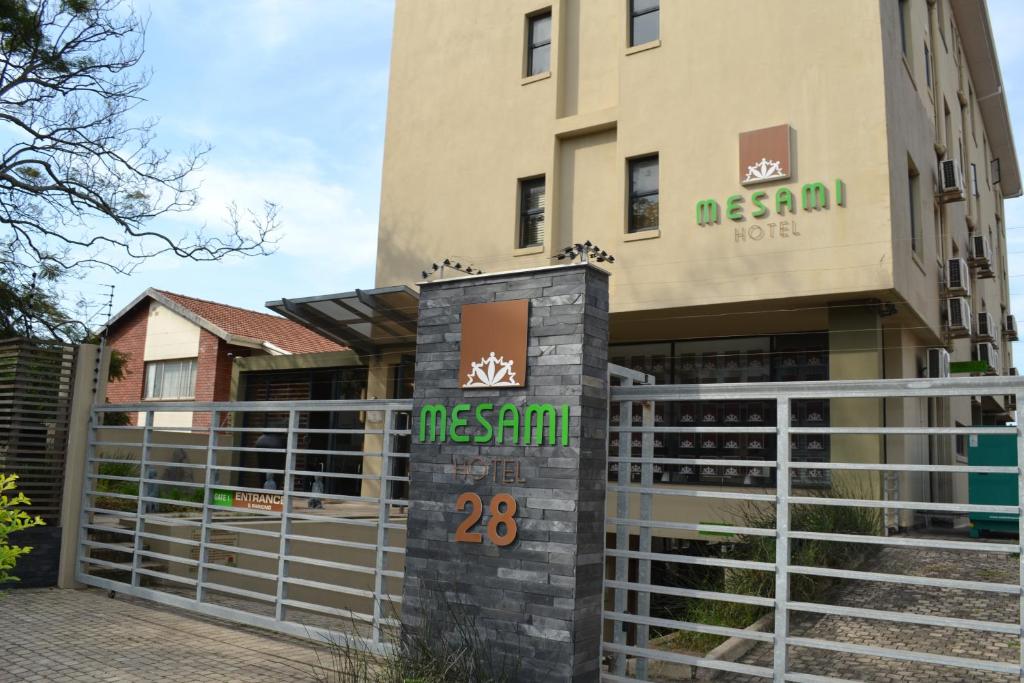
[(630, 586), (297, 528)]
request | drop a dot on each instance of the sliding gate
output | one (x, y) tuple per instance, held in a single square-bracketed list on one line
[(285, 515), (778, 562)]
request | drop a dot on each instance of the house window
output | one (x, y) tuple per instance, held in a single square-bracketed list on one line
[(531, 212), (643, 21), (538, 43), (913, 202), (643, 193), (904, 9), (171, 379)]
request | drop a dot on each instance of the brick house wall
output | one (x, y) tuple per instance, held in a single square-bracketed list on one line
[(213, 372), (129, 338)]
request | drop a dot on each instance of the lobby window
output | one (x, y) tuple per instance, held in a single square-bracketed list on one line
[(644, 20), (171, 379), (531, 212), (643, 193), (913, 204), (538, 43)]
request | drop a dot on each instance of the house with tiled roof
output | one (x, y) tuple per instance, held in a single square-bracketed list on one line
[(182, 348)]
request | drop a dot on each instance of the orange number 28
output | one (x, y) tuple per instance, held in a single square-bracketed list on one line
[(502, 509)]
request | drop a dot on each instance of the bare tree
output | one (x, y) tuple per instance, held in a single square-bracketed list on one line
[(81, 177)]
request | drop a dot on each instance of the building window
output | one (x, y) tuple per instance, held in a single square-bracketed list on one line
[(913, 202), (927, 66), (904, 10), (643, 193), (531, 212), (974, 180), (644, 21), (171, 379), (538, 43)]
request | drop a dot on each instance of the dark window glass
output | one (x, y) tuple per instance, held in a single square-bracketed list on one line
[(643, 21), (538, 58), (912, 201), (927, 66), (643, 193), (904, 25), (531, 212)]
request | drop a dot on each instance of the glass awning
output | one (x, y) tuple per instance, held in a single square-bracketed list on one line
[(368, 321)]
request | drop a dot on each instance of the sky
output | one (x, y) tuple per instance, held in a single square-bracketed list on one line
[(292, 96)]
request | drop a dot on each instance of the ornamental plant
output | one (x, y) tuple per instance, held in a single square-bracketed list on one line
[(12, 519)]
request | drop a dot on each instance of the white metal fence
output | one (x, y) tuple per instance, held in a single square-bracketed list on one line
[(285, 515), (649, 536)]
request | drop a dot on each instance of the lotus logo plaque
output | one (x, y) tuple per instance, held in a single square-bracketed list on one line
[(493, 345), (765, 155), (491, 372)]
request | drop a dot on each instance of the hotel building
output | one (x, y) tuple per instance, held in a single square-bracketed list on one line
[(793, 191)]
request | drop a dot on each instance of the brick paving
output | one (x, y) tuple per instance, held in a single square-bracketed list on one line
[(991, 567), (84, 635)]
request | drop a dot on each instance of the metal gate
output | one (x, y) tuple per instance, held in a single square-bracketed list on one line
[(285, 515), (755, 566)]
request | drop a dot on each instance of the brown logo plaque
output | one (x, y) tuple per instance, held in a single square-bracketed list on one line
[(765, 155), (493, 350)]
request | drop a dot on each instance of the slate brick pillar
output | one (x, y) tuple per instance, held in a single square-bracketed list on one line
[(536, 603)]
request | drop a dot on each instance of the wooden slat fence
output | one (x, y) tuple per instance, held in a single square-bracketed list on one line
[(36, 378)]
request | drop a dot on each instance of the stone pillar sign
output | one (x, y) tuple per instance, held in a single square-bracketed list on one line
[(507, 470)]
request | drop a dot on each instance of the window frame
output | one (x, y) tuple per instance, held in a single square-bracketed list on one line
[(148, 381), (531, 46), (631, 228), (634, 14), (523, 213), (903, 7), (914, 204)]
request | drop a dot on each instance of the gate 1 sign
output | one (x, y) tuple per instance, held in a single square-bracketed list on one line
[(507, 470)]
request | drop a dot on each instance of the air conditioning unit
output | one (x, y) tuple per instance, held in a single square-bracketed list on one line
[(951, 181), (1013, 372), (981, 256), (985, 331), (958, 316), (958, 277), (1010, 331), (986, 352), (938, 363)]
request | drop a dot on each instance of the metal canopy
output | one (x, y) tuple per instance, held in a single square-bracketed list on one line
[(367, 320)]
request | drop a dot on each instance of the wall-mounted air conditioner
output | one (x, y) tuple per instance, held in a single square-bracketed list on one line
[(938, 363), (1010, 331), (951, 181), (981, 256), (958, 317), (985, 352), (958, 277), (985, 329)]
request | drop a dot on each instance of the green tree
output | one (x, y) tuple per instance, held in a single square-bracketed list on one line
[(81, 177), (12, 519)]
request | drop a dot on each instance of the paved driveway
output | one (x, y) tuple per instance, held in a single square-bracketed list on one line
[(83, 635)]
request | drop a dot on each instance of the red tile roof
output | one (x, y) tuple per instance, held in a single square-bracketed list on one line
[(280, 332)]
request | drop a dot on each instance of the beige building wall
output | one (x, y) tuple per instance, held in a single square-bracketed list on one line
[(169, 336)]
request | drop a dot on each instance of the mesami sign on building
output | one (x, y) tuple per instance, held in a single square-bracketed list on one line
[(507, 467)]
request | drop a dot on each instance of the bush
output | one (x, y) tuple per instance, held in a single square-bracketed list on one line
[(12, 519), (815, 518)]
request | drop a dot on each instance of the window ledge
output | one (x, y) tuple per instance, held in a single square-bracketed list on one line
[(527, 251), (167, 400), (642, 235), (536, 77), (643, 47)]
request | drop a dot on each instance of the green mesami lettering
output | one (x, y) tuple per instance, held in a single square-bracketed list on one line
[(815, 196), (543, 412), (506, 410), (784, 198), (565, 424), (458, 422), (734, 207), (840, 193), (488, 432), (707, 211), (434, 416), (757, 199)]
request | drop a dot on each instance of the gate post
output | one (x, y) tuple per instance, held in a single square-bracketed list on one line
[(88, 389), (506, 528)]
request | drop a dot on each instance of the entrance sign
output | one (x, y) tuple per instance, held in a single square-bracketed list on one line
[(270, 502), (508, 467)]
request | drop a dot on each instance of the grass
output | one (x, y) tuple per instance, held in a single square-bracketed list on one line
[(815, 518)]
